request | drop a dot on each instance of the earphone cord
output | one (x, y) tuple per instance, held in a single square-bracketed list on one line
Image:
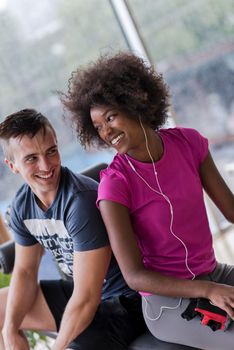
[(168, 201), (163, 307), (160, 192)]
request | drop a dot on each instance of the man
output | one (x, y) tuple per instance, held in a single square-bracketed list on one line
[(56, 209)]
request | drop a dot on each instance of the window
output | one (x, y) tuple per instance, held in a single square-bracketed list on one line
[(191, 43), (41, 43)]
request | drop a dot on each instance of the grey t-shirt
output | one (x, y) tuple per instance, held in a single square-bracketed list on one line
[(72, 223)]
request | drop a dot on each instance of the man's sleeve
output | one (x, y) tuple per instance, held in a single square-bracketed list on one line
[(21, 234), (84, 223)]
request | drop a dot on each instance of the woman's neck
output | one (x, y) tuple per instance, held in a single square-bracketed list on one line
[(151, 148)]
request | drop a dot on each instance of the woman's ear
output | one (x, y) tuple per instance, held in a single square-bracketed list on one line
[(11, 165)]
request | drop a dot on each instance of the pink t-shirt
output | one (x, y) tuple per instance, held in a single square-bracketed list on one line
[(178, 175)]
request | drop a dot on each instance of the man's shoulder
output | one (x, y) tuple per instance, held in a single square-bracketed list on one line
[(21, 196), (22, 203), (77, 182)]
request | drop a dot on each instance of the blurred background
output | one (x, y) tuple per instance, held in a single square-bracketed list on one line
[(190, 41)]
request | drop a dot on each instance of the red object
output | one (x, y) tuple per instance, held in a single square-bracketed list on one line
[(208, 315)]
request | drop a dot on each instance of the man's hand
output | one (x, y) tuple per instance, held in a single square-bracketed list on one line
[(15, 341)]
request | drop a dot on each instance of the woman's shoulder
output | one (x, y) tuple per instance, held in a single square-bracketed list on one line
[(180, 132), (186, 139), (116, 170), (114, 182), (183, 135)]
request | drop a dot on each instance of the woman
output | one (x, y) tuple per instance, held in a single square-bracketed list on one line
[(151, 196)]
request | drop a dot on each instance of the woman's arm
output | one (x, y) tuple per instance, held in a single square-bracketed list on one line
[(123, 242), (216, 188)]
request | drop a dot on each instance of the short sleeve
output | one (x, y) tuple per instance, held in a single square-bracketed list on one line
[(21, 234), (84, 222), (198, 144), (114, 187)]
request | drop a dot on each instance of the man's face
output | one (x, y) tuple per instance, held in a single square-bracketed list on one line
[(37, 160)]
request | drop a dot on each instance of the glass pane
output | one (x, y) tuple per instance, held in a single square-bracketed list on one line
[(191, 43), (41, 42)]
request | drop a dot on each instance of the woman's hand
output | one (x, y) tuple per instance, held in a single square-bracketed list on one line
[(222, 296)]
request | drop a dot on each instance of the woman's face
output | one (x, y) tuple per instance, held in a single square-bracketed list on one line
[(117, 130)]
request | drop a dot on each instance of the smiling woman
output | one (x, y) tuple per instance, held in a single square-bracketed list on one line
[(151, 196), (122, 86), (123, 133)]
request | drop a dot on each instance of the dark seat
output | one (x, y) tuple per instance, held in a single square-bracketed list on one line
[(146, 341)]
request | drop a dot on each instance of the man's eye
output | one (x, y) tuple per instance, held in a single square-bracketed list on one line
[(52, 151), (30, 159)]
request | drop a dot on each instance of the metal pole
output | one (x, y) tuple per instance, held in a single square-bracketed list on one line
[(129, 29), (133, 38)]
